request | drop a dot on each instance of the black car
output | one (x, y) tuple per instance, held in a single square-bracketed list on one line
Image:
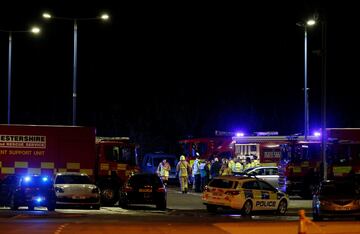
[(31, 191), (143, 189), (336, 199)]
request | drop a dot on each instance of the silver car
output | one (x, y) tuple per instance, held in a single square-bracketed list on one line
[(269, 174), (76, 189)]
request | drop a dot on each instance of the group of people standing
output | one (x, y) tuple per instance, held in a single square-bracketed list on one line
[(202, 171)]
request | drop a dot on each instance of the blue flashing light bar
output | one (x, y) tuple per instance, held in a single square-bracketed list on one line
[(240, 134), (27, 178)]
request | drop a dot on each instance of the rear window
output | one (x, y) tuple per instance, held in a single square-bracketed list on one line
[(339, 189), (73, 179), (141, 180), (221, 183)]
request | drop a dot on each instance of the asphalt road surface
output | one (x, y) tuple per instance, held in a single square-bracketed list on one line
[(185, 214)]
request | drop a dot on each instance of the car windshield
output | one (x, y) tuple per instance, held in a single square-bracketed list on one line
[(339, 189), (73, 179), (141, 180)]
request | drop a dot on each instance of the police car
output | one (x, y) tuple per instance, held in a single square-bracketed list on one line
[(245, 193)]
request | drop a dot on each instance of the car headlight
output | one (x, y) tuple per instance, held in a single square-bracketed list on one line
[(59, 189), (95, 190)]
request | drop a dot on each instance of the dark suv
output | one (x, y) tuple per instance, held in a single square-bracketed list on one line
[(31, 191), (143, 189), (336, 199)]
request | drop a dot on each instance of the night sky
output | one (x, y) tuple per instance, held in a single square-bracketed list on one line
[(162, 71)]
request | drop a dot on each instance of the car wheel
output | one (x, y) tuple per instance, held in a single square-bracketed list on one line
[(282, 208), (161, 205), (211, 208), (247, 208), (109, 196)]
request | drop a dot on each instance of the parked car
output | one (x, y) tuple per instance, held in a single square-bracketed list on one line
[(269, 174), (244, 193), (336, 199), (151, 162), (76, 189), (144, 188), (30, 190)]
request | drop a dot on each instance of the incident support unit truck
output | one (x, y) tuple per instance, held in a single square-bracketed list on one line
[(46, 150)]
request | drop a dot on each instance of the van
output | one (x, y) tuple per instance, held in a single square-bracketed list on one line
[(151, 162)]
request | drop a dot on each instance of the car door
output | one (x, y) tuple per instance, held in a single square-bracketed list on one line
[(252, 190), (269, 199), (271, 176)]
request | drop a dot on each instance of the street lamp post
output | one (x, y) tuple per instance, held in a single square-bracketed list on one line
[(323, 99), (306, 98), (34, 30), (103, 17)]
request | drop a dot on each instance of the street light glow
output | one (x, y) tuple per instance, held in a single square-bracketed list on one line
[(35, 30), (46, 15), (310, 22), (104, 16)]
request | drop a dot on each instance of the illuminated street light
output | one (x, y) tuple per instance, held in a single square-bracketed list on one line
[(305, 26), (33, 30), (48, 16)]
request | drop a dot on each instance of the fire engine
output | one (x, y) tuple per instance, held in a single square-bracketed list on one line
[(206, 147), (265, 145), (45, 150), (301, 164)]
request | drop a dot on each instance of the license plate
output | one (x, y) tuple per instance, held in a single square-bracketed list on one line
[(145, 190), (78, 197)]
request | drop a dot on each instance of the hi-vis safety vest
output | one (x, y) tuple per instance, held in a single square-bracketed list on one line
[(238, 167)]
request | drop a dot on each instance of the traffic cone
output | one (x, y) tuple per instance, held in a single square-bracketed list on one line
[(302, 222)]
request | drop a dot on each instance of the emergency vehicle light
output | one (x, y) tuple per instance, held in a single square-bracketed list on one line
[(45, 179), (27, 178), (240, 134), (317, 134)]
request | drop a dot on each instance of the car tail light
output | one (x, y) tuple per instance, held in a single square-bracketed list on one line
[(233, 193), (161, 190)]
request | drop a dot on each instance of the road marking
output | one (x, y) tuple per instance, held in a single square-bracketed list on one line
[(59, 229)]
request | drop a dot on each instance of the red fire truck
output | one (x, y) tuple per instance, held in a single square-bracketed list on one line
[(301, 164), (206, 147), (30, 149), (265, 147)]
